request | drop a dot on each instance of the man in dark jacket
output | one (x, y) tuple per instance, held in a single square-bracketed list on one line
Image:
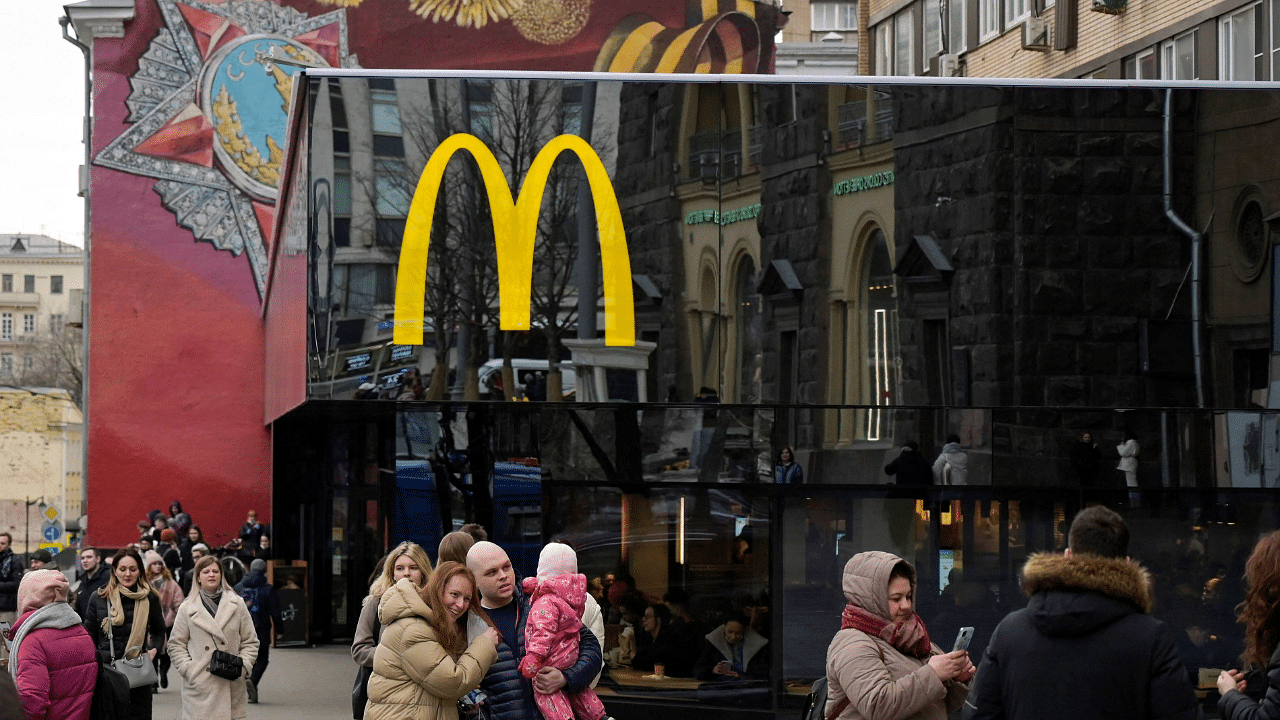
[(1084, 647), (509, 694), (910, 467), (264, 608), (94, 574), (10, 578)]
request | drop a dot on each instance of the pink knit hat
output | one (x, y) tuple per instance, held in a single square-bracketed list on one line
[(41, 587), (150, 556), (556, 559)]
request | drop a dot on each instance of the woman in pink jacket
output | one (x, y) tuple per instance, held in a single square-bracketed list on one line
[(52, 659), (171, 597)]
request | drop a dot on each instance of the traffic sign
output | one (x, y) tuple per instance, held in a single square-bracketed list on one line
[(51, 512), (51, 531)]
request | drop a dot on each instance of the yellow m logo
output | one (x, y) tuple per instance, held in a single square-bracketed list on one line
[(515, 227)]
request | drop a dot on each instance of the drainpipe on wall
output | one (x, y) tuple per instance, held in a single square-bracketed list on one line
[(65, 22), (1197, 239)]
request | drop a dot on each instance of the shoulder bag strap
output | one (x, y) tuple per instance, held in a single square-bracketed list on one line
[(839, 708), (111, 637)]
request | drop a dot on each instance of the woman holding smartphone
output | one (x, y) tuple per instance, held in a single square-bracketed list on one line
[(882, 665)]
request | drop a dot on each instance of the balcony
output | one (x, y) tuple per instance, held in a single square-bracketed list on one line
[(853, 130), (19, 300)]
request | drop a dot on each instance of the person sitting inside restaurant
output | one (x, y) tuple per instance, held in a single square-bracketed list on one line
[(733, 652), (658, 644)]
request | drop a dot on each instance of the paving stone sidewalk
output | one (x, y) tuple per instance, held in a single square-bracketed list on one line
[(300, 684)]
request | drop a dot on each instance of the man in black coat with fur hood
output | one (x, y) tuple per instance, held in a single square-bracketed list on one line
[(1085, 646)]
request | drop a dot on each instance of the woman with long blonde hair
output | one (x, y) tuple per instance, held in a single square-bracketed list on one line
[(213, 617), (424, 664), (171, 596), (125, 619), (1259, 615), (406, 560)]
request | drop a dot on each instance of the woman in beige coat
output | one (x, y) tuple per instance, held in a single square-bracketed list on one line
[(423, 664), (212, 618), (882, 665)]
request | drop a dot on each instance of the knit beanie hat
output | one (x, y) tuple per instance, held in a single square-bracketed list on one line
[(41, 587), (201, 547), (556, 559), (258, 565), (168, 535)]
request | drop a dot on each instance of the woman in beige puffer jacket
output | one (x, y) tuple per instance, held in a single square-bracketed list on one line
[(423, 663), (881, 661)]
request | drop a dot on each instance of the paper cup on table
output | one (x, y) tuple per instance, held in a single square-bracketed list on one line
[(660, 669)]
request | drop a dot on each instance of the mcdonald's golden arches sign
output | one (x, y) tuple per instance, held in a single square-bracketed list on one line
[(515, 227)]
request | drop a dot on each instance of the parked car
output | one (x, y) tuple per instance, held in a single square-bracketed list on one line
[(491, 374)]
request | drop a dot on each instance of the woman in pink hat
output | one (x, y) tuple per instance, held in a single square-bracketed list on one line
[(52, 658)]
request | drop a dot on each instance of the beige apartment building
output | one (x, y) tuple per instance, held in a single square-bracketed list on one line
[(1113, 39), (41, 284)]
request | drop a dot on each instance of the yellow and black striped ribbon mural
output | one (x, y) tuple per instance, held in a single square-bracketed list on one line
[(726, 40)]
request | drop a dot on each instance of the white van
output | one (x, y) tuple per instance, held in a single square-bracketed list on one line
[(490, 373)]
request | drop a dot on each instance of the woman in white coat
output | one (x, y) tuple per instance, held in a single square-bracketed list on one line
[(212, 618)]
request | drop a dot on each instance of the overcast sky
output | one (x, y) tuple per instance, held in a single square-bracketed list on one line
[(43, 83)]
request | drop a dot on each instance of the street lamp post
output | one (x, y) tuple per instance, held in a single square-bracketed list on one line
[(31, 502)]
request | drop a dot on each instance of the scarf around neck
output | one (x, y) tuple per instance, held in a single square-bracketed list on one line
[(909, 636), (211, 600), (115, 616), (56, 615)]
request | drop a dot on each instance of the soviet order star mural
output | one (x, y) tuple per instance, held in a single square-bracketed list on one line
[(209, 108)]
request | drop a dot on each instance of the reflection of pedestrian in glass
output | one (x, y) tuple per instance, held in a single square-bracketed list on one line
[(952, 465), (787, 471), (1087, 460), (1129, 464), (910, 468)]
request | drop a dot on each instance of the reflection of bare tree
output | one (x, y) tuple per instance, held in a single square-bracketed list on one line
[(53, 359)]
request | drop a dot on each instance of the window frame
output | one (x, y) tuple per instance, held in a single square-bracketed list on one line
[(1227, 24), (1016, 12), (904, 27), (839, 10), (956, 42), (937, 17), (6, 326), (1169, 56), (989, 19), (28, 323), (883, 62), (55, 284)]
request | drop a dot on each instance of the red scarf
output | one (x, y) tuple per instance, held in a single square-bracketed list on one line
[(910, 636)]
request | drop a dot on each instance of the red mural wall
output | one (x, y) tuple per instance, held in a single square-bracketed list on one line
[(180, 238)]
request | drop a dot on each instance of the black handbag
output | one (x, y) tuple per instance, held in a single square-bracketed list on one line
[(360, 692), (110, 694), (225, 665)]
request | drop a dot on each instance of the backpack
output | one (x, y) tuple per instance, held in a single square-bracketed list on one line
[(250, 596), (815, 705)]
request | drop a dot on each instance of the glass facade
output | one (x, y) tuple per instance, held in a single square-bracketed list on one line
[(828, 272)]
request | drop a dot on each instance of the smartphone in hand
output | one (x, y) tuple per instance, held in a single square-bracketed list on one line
[(962, 638)]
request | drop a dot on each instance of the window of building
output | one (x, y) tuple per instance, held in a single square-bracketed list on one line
[(571, 109), (988, 19), (28, 283), (6, 363), (932, 40), (6, 283), (1142, 66), (837, 16), (1016, 11), (394, 188), (56, 323), (883, 48), (28, 363), (6, 326), (384, 107), (55, 284), (747, 329), (1275, 39), (480, 104), (1240, 47), (903, 41), (341, 167), (957, 25), (1178, 57), (29, 324)]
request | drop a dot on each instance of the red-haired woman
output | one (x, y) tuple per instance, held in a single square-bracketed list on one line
[(1262, 636), (423, 664)]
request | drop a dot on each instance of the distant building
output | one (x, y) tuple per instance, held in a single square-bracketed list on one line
[(41, 282), (41, 432)]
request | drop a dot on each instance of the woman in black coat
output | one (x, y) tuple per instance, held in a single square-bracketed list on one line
[(126, 614), (1262, 637)]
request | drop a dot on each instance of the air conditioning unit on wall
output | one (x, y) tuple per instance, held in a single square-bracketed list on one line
[(944, 65), (1035, 34)]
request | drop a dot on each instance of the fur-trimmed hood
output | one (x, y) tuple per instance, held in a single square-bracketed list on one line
[(1079, 594)]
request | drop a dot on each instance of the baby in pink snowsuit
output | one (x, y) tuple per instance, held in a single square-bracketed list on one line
[(558, 596)]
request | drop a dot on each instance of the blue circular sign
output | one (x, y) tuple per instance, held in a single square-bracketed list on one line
[(52, 533)]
